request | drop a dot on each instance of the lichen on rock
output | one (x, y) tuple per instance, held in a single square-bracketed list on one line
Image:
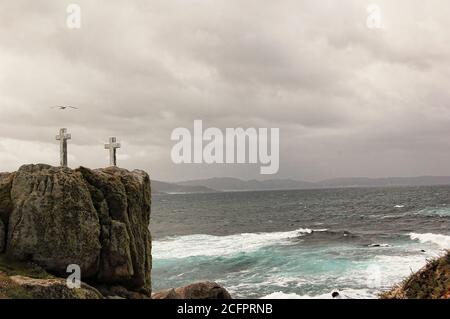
[(53, 288), (53, 221), (123, 201)]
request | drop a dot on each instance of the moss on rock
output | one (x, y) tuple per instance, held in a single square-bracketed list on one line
[(11, 267)]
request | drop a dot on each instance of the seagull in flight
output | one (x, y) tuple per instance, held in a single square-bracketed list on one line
[(64, 107)]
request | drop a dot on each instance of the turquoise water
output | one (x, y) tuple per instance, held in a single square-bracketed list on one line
[(298, 244)]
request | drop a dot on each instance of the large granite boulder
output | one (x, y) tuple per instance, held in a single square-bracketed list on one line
[(122, 200), (53, 221), (97, 219), (201, 290)]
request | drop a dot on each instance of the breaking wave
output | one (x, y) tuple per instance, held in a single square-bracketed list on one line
[(209, 245), (442, 241), (346, 294)]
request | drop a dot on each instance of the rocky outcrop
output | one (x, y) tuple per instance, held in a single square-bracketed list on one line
[(55, 288), (166, 294), (19, 280), (53, 222), (119, 292), (97, 219), (202, 290), (431, 282), (122, 200), (53, 217)]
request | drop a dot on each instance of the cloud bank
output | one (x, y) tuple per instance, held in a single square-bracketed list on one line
[(349, 100)]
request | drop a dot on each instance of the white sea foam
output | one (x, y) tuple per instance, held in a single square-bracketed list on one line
[(442, 241), (363, 281), (282, 295), (208, 245), (345, 294), (392, 269), (374, 276)]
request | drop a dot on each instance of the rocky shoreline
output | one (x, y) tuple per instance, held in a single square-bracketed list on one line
[(97, 220)]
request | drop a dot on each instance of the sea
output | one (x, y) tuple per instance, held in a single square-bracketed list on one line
[(298, 243)]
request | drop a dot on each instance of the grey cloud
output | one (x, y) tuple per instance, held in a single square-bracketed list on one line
[(348, 101)]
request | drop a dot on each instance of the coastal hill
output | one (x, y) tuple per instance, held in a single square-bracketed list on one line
[(235, 184), (171, 188)]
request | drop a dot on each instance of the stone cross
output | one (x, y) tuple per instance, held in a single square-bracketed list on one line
[(112, 146), (62, 138)]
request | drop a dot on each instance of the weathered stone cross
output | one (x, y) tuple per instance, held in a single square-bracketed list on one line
[(112, 146), (62, 138)]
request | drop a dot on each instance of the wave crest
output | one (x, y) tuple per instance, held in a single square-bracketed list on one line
[(442, 241), (209, 245)]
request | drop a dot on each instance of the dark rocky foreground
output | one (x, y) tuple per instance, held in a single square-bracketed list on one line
[(52, 217), (431, 282), (202, 290)]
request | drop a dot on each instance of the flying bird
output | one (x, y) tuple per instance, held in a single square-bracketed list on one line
[(64, 107)]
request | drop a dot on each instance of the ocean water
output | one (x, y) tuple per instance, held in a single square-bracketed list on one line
[(299, 243)]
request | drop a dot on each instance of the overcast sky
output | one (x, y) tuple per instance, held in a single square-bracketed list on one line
[(349, 100)]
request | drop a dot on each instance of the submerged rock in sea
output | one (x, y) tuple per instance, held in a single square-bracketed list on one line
[(201, 290), (97, 219)]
